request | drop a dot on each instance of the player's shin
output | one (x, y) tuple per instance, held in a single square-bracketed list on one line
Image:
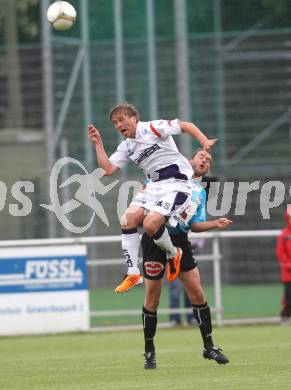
[(203, 317), (163, 240), (149, 320), (130, 246)]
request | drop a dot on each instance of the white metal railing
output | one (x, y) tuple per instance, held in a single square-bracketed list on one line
[(215, 257)]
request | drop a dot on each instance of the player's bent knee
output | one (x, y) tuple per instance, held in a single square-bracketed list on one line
[(126, 223), (130, 221), (151, 227), (149, 230)]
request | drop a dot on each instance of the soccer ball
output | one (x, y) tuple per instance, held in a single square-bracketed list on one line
[(61, 15)]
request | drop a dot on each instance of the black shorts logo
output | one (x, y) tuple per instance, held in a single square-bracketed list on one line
[(153, 268)]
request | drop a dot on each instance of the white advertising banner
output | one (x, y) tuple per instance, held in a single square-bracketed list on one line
[(43, 290)]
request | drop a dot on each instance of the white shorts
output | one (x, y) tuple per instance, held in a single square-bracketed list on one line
[(167, 197)]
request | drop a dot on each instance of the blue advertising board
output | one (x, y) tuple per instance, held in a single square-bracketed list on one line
[(43, 290)]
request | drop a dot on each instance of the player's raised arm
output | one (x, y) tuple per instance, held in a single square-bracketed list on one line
[(190, 128), (220, 223), (103, 160)]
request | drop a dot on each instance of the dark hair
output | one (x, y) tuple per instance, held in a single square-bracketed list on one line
[(126, 108)]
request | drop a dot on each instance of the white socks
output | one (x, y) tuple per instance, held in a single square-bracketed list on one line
[(130, 245), (163, 240)]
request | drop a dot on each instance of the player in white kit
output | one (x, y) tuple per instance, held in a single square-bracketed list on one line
[(150, 145)]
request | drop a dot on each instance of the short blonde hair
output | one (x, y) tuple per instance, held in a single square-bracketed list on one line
[(124, 108)]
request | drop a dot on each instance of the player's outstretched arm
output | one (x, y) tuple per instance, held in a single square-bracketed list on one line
[(220, 223), (195, 132), (103, 160)]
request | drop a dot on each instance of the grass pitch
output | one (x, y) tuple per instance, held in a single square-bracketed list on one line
[(260, 358), (260, 300)]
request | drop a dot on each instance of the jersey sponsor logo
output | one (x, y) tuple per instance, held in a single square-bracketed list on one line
[(153, 268), (190, 210), (147, 152)]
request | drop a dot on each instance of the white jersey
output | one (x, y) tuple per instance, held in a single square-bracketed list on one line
[(153, 149)]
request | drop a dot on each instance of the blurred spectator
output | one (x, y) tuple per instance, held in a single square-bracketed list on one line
[(284, 258)]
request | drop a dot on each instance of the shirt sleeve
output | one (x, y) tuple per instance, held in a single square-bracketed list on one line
[(200, 215), (120, 157), (165, 128)]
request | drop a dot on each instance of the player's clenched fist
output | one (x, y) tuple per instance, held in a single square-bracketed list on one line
[(223, 223), (94, 135)]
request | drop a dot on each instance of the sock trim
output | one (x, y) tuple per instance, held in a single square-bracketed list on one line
[(149, 313), (159, 233), (203, 306), (129, 231)]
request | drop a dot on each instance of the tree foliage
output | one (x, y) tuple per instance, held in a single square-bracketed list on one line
[(28, 21)]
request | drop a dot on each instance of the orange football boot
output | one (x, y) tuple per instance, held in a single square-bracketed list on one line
[(173, 266), (128, 282)]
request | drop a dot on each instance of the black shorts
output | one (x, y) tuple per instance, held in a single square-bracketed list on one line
[(155, 260)]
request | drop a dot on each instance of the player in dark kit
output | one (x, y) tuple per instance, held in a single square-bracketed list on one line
[(155, 263)]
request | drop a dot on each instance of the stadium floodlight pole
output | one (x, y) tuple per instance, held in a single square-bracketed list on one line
[(182, 70), (87, 93), (65, 175), (217, 280), (15, 108), (119, 55), (87, 99), (47, 70), (219, 82), (119, 63), (151, 47)]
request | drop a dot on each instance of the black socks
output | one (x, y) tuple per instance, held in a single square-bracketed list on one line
[(149, 320), (203, 317)]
